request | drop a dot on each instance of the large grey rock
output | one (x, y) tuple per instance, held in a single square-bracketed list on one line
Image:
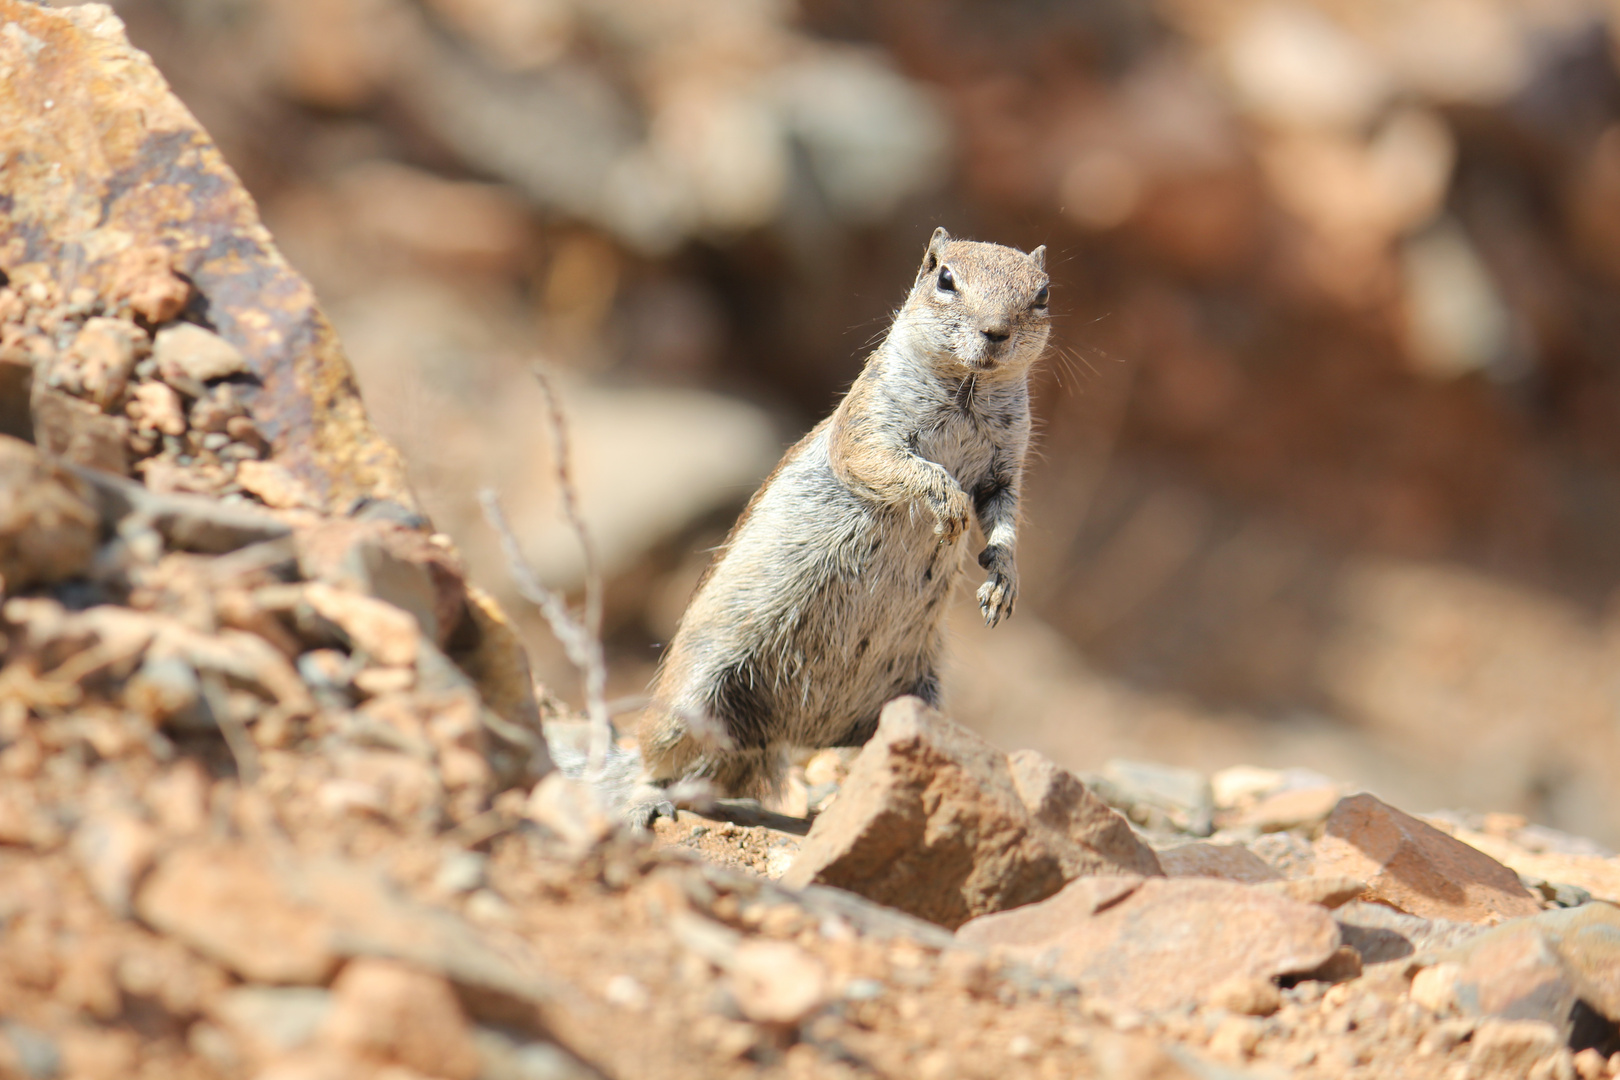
[(937, 822)]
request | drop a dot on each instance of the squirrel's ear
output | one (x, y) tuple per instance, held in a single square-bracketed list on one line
[(1038, 257), (936, 244)]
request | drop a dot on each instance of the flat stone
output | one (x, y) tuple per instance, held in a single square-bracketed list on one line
[(1417, 868), (1242, 785), (936, 822), (1228, 862), (1162, 943), (273, 917), (571, 810)]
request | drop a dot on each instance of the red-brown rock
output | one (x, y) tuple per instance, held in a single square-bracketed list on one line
[(1162, 943), (122, 193), (937, 822), (1416, 867)]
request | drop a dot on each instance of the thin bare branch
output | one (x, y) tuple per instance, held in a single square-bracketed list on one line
[(584, 648), (570, 502)]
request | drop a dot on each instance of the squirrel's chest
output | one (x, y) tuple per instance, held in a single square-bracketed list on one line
[(963, 444)]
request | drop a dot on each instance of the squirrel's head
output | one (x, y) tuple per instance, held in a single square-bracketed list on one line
[(979, 306)]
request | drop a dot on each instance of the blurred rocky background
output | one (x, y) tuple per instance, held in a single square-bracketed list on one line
[(1329, 471)]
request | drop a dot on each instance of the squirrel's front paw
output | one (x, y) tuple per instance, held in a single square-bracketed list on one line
[(950, 515), (999, 593)]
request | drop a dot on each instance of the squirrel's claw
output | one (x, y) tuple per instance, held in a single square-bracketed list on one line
[(997, 597), (641, 815)]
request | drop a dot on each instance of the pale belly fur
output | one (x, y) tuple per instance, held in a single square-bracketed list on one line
[(847, 618)]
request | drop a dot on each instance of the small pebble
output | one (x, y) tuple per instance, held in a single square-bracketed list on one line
[(1235, 1039), (625, 992), (461, 872), (863, 990), (1590, 1065)]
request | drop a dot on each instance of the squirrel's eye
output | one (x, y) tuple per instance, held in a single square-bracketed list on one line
[(1043, 296), (947, 280)]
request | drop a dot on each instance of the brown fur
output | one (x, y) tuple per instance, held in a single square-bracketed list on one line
[(827, 599)]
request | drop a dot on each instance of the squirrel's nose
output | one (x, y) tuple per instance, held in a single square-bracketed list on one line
[(996, 334)]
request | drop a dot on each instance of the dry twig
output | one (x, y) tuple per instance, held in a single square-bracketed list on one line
[(581, 635)]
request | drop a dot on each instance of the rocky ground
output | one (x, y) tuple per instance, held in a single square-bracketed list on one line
[(1292, 505), (276, 799)]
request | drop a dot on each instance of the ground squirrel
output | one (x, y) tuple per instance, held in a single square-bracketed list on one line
[(827, 599)]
